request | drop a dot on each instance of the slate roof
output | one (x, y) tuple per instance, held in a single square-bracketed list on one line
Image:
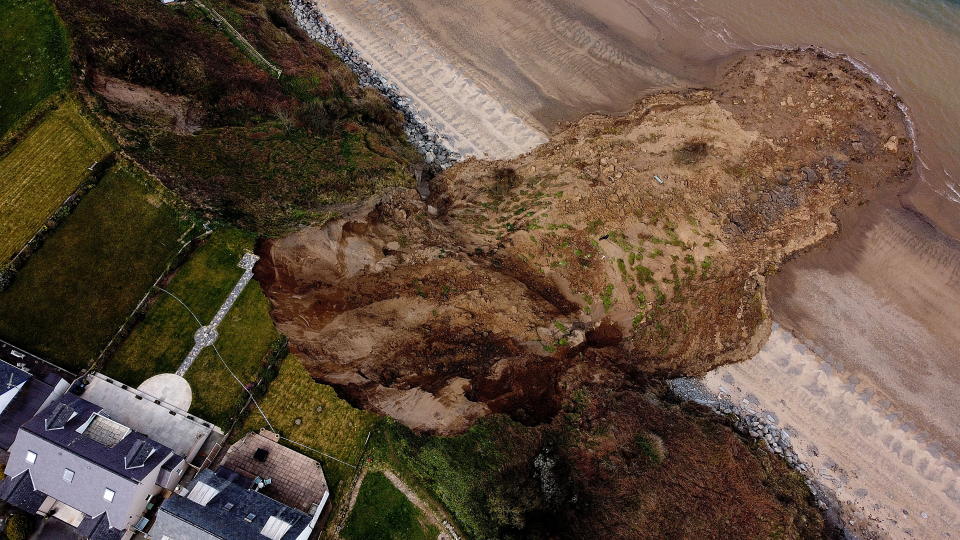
[(19, 492), (23, 407), (225, 515), (98, 528), (11, 376), (67, 437)]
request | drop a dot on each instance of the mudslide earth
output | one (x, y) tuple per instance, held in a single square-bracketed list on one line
[(649, 236)]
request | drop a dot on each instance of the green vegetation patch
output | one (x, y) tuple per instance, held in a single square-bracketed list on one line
[(311, 413), (75, 292), (267, 178), (43, 170), (161, 341), (246, 336), (263, 153), (383, 512), (246, 339), (485, 477), (36, 58)]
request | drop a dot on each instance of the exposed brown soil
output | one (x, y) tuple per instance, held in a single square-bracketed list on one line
[(145, 104), (478, 300)]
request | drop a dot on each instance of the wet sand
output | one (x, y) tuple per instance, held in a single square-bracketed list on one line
[(880, 303)]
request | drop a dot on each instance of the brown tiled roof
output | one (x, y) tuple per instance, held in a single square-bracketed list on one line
[(296, 480)]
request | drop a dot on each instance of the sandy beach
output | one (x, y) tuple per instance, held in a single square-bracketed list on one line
[(874, 385), (892, 480)]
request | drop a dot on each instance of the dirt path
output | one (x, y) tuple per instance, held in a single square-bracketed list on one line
[(440, 520)]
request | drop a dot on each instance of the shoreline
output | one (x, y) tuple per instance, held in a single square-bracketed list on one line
[(794, 457), (427, 139), (850, 448)]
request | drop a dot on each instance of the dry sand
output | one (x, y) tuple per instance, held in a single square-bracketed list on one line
[(860, 445), (473, 122)]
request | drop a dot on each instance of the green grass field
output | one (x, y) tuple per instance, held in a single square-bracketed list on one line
[(327, 423), (75, 292), (382, 512), (36, 58), (245, 339), (42, 170), (161, 341)]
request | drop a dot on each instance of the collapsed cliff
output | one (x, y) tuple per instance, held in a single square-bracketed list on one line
[(647, 235)]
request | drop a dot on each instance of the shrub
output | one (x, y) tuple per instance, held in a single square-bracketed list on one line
[(19, 526), (691, 152)]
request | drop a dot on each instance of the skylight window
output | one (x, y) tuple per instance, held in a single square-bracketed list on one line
[(274, 528), (67, 476), (31, 456), (108, 494)]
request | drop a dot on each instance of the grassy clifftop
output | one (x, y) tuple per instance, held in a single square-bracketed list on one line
[(35, 58), (260, 152)]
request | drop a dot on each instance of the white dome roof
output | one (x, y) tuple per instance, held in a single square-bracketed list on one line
[(170, 388)]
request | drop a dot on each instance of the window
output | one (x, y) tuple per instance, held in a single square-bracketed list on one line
[(31, 456), (67, 475), (108, 494)]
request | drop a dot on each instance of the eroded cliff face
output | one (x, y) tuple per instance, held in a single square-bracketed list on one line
[(647, 236)]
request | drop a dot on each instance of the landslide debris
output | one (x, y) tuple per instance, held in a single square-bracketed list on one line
[(648, 236)]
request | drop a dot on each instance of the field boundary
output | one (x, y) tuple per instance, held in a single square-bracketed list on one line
[(30, 120), (54, 220)]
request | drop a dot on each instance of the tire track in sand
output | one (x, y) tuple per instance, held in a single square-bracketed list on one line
[(473, 122), (882, 470)]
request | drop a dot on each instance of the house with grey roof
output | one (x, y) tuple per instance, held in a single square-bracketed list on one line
[(76, 462), (225, 505), (159, 409), (22, 395)]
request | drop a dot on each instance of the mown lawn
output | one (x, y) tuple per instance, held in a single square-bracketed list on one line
[(246, 336), (36, 58), (327, 422), (383, 512), (245, 341), (42, 170), (75, 292), (159, 343)]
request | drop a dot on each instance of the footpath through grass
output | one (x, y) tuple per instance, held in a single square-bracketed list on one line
[(74, 293), (160, 342), (482, 477), (246, 337), (326, 422), (36, 58), (42, 170), (383, 512)]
